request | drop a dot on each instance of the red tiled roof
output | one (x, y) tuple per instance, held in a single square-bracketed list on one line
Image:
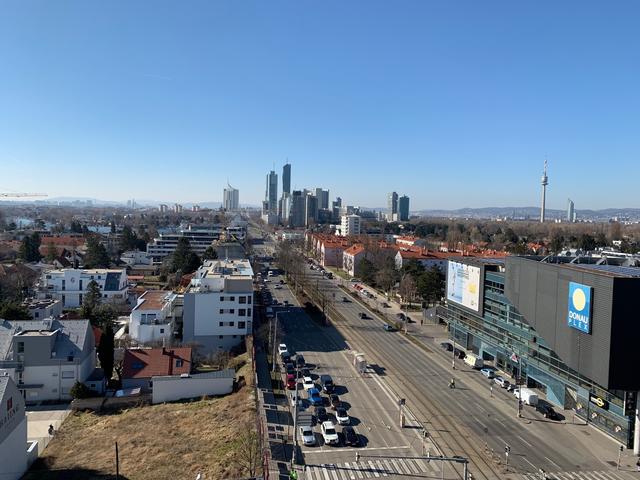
[(355, 249), (149, 362)]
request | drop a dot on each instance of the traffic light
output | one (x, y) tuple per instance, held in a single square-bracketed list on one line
[(507, 449)]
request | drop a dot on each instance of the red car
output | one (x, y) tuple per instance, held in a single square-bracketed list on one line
[(291, 382)]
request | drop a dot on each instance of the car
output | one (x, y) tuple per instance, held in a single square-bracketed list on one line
[(388, 327), (502, 382), (329, 434), (308, 438), (281, 282), (274, 302), (307, 383), (327, 383), (282, 348), (488, 372), (286, 358), (314, 397), (320, 413), (342, 416), (278, 287), (363, 315), (447, 346), (305, 372), (385, 305), (400, 316), (330, 276), (334, 401), (345, 300), (350, 437), (291, 382), (459, 353), (290, 369), (300, 361), (547, 411)]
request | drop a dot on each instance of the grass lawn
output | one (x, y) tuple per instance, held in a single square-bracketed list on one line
[(174, 440)]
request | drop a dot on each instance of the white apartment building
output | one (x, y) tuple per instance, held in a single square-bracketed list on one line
[(13, 431), (218, 305), (153, 318), (136, 257), (199, 239), (70, 285), (350, 225), (45, 358)]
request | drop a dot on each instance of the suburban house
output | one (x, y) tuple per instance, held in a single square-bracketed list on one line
[(45, 308), (218, 305), (136, 257), (153, 318), (13, 431), (46, 357), (409, 241), (141, 364), (70, 285), (352, 257), (172, 388)]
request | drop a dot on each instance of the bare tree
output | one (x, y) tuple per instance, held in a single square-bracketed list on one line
[(248, 454), (408, 288)]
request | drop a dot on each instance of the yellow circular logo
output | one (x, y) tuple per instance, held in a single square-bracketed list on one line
[(579, 299)]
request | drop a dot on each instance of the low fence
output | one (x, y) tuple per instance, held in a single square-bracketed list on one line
[(100, 404)]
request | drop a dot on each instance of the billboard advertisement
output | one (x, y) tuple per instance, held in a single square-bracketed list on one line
[(579, 314), (463, 285)]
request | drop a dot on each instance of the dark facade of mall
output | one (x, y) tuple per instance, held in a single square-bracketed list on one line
[(570, 324)]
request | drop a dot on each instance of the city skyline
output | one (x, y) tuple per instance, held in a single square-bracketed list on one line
[(440, 101)]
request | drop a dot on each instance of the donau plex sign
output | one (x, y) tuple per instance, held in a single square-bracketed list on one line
[(579, 314)]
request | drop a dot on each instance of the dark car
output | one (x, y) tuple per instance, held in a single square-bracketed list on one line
[(459, 353), (334, 401), (305, 372), (286, 358), (291, 370), (547, 411), (320, 413), (400, 316), (326, 382), (363, 315), (447, 346), (300, 361), (350, 437)]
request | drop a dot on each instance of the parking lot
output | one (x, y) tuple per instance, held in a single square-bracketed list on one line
[(383, 448)]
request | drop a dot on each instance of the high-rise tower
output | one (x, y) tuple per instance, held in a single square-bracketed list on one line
[(544, 182), (286, 178)]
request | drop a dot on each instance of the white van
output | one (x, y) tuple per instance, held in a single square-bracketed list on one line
[(473, 361), (528, 396)]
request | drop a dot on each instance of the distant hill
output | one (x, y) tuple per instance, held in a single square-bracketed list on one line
[(530, 212)]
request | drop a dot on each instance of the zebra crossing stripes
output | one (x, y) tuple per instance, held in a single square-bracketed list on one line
[(371, 468), (584, 475)]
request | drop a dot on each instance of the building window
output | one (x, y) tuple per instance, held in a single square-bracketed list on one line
[(242, 299), (221, 323), (221, 311), (235, 336), (137, 365), (242, 324), (220, 337), (222, 299), (9, 403), (178, 362), (242, 312), (249, 300), (232, 299), (231, 324), (20, 347), (36, 314), (70, 358), (248, 312), (232, 310), (68, 374), (162, 330)]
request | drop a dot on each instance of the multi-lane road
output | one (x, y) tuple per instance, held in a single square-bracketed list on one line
[(465, 421)]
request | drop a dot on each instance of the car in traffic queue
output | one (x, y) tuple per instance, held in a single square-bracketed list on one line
[(342, 417), (329, 433), (308, 438), (334, 401), (351, 438), (314, 397)]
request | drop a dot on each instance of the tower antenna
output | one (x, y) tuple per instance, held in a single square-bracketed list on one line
[(544, 181)]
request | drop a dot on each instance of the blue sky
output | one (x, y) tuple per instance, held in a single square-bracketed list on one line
[(452, 103)]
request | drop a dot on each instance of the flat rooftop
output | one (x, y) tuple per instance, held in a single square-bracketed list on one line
[(225, 268), (153, 299)]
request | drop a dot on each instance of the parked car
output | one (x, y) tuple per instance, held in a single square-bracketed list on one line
[(282, 348), (321, 414), (459, 353), (388, 327), (329, 434), (290, 369), (385, 305), (350, 437), (307, 383), (400, 316), (342, 416), (314, 397), (345, 300), (447, 346), (334, 401), (488, 372), (326, 382), (502, 382), (291, 382), (278, 287), (305, 372), (300, 361), (363, 315), (547, 411), (308, 438)]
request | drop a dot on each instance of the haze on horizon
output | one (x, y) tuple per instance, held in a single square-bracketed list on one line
[(455, 105)]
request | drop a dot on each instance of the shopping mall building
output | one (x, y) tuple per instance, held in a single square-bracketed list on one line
[(572, 325)]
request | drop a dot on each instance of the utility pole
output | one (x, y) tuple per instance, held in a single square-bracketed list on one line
[(117, 463), (507, 450), (619, 457), (453, 351)]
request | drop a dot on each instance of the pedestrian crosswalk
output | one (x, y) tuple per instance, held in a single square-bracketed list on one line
[(372, 468), (584, 475)]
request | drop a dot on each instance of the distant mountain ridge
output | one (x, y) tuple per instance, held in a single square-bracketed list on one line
[(528, 212)]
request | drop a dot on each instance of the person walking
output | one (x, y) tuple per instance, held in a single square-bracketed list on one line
[(452, 383)]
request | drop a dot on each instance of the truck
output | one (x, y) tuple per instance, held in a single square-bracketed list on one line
[(359, 362), (473, 361), (526, 396)]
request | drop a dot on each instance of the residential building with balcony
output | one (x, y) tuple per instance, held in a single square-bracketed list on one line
[(13, 431), (153, 319), (45, 358), (218, 305), (70, 285)]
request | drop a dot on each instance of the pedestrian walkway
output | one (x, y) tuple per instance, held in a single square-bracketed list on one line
[(602, 475), (374, 468)]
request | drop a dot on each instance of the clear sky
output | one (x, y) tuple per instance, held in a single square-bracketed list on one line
[(455, 103)]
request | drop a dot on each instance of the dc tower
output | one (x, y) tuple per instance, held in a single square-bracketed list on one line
[(544, 182)]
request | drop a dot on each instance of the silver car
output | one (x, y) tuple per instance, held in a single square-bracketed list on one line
[(308, 438)]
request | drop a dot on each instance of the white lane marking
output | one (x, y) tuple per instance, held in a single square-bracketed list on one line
[(554, 463), (521, 438), (373, 469)]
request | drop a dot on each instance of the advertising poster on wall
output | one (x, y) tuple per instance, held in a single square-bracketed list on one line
[(463, 285)]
